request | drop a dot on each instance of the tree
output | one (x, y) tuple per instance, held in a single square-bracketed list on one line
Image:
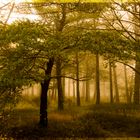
[(44, 90), (37, 45), (87, 87), (35, 59), (126, 85), (77, 80), (116, 84), (136, 10), (75, 13), (111, 82), (97, 80), (128, 26)]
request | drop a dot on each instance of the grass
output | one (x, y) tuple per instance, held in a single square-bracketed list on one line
[(88, 121)]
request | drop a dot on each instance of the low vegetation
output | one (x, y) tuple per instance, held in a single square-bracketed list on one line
[(87, 121)]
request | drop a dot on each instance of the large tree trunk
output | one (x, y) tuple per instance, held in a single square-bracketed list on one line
[(77, 80), (59, 85), (97, 80), (111, 83), (44, 89)]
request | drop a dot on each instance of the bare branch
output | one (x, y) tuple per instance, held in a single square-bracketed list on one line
[(9, 13)]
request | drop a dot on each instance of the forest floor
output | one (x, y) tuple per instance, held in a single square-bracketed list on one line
[(87, 121)]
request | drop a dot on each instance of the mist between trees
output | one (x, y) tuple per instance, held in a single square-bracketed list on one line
[(71, 54)]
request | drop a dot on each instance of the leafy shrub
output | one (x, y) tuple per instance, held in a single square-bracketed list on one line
[(8, 99)]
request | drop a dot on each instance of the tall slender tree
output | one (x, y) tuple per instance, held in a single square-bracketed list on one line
[(77, 81), (116, 84), (136, 17), (111, 82), (126, 85), (97, 80)]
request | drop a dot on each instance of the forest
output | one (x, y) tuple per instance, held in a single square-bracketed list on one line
[(69, 70)]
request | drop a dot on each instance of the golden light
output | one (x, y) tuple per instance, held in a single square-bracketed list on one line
[(14, 15), (16, 1)]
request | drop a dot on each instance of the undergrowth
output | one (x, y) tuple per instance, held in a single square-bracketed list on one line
[(84, 122)]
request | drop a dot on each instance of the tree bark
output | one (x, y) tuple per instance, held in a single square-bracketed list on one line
[(63, 85), (73, 89), (131, 88), (87, 91), (126, 85), (87, 83), (77, 81), (116, 84), (69, 87), (43, 98), (111, 83), (97, 80), (53, 89), (137, 84), (83, 89)]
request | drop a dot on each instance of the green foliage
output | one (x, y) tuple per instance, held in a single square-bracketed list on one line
[(26, 48), (26, 45), (18, 51), (110, 44), (8, 100)]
